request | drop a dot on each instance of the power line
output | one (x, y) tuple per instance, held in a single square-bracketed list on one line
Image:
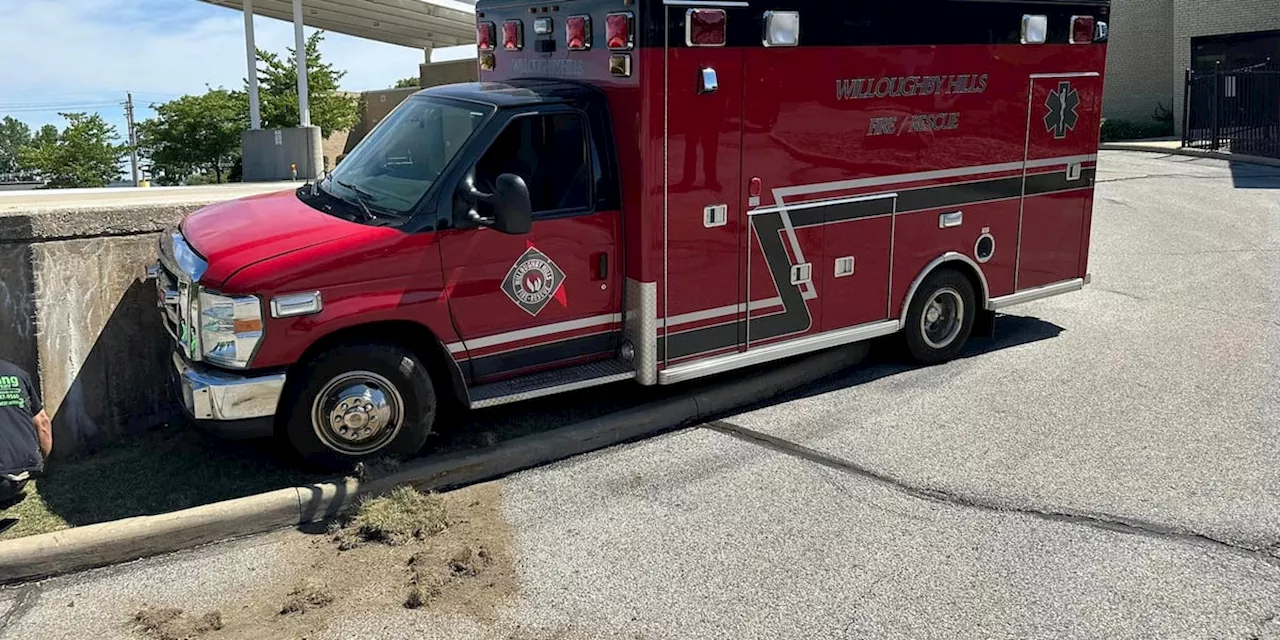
[(64, 109)]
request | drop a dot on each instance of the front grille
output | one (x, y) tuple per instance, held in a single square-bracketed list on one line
[(178, 292)]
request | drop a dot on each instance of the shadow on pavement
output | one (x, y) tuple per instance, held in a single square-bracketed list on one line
[(1254, 176), (176, 468), (886, 357)]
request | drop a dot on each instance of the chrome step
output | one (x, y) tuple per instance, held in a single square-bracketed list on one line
[(549, 382)]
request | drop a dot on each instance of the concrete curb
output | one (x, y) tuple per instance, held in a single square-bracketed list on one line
[(108, 543), (1193, 153)]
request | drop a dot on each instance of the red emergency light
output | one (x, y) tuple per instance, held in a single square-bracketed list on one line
[(617, 31), (1082, 29), (578, 32), (513, 35), (485, 36), (705, 28)]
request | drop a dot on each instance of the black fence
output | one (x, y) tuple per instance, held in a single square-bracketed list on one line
[(1235, 111)]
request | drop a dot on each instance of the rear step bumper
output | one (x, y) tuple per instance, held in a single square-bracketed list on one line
[(1038, 293)]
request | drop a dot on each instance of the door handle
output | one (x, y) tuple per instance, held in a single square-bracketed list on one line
[(602, 266)]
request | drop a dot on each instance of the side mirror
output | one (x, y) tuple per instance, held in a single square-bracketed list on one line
[(512, 209)]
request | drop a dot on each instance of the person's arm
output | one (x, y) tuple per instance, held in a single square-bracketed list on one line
[(44, 432), (40, 418)]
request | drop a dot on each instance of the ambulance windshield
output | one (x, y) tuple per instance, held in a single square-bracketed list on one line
[(394, 166)]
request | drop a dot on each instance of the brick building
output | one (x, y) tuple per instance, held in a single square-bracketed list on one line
[(1153, 43)]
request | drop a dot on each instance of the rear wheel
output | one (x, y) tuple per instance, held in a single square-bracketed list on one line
[(360, 402), (941, 317)]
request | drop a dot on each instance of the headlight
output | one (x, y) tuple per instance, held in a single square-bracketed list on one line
[(230, 329)]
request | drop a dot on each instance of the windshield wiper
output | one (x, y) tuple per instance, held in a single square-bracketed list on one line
[(361, 196)]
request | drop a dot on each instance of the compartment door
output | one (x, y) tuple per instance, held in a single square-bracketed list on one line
[(705, 221), (1058, 177)]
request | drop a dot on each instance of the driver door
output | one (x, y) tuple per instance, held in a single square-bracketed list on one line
[(549, 298)]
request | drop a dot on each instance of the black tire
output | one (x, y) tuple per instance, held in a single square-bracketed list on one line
[(939, 340), (396, 399)]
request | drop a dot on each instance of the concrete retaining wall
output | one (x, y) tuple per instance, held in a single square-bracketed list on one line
[(77, 312)]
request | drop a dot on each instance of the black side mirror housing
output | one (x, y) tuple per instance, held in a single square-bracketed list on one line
[(512, 208)]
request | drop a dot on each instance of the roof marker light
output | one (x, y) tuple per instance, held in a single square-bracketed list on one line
[(485, 36), (705, 28), (1081, 30), (781, 28), (1035, 29), (578, 32), (618, 32), (513, 35)]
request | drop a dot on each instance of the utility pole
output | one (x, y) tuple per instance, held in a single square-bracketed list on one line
[(133, 136)]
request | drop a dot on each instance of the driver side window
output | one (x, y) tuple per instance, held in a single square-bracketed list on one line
[(550, 153)]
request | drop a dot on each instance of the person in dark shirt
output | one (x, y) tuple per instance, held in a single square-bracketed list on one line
[(26, 434)]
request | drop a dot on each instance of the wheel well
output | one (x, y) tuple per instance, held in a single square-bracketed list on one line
[(410, 335), (955, 262)]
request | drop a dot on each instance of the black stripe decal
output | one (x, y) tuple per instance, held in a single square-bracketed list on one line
[(500, 363), (841, 212), (768, 226)]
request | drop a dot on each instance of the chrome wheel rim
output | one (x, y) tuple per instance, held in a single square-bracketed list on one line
[(942, 318), (357, 413)]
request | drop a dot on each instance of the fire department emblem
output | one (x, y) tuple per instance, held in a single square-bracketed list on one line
[(1063, 113), (532, 281)]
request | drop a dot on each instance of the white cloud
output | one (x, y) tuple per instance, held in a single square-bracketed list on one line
[(91, 51)]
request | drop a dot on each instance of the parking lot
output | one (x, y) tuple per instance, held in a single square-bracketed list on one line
[(1106, 467)]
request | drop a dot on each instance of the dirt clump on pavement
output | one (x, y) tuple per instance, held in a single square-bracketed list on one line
[(173, 624), (306, 598), (436, 555)]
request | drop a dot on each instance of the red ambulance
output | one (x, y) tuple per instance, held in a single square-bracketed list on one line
[(649, 190)]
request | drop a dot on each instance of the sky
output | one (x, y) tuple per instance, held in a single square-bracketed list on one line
[(84, 55)]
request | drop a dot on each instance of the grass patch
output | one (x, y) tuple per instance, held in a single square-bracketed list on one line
[(175, 468), (153, 472), (403, 515)]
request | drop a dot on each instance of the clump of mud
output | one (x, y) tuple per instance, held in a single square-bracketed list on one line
[(173, 624)]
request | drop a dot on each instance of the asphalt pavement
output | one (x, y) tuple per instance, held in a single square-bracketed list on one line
[(1104, 468)]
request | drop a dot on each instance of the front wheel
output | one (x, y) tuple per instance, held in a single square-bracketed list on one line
[(941, 317), (360, 402)]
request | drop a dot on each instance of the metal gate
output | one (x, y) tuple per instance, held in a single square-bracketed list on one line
[(1234, 111)]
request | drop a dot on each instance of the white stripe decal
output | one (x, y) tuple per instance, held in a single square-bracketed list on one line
[(534, 332), (707, 314), (927, 175)]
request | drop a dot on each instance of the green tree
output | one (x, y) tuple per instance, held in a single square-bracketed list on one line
[(14, 135), (48, 134), (193, 135), (407, 83), (84, 154), (278, 86)]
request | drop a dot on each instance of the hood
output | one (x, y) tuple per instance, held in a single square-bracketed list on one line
[(233, 235)]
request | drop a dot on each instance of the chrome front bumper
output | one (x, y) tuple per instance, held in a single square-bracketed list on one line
[(210, 394)]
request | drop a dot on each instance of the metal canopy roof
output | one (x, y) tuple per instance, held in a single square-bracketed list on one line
[(410, 23)]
